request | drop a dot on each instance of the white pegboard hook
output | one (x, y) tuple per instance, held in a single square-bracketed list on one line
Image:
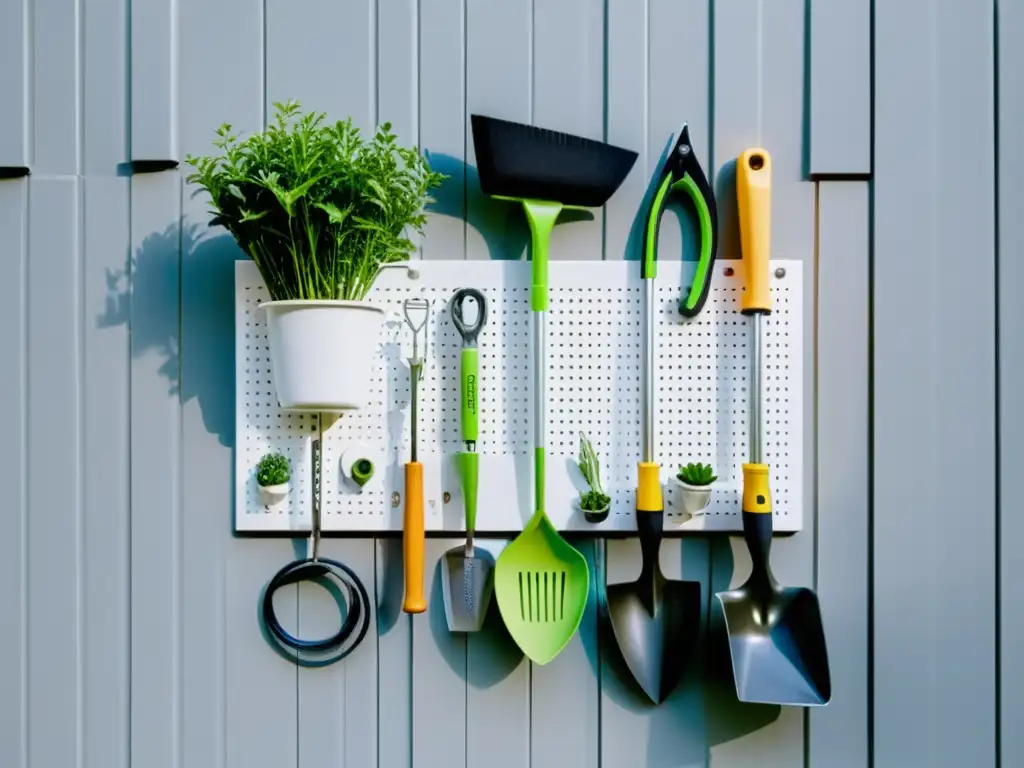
[(413, 272)]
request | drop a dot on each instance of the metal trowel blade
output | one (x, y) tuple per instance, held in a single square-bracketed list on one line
[(467, 587), (777, 647), (656, 645)]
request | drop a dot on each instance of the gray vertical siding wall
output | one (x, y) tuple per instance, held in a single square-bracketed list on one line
[(129, 605)]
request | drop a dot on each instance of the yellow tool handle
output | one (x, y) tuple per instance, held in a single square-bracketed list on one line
[(412, 539), (754, 200), (648, 488), (757, 494)]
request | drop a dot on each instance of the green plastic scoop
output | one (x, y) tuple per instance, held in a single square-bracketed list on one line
[(541, 582)]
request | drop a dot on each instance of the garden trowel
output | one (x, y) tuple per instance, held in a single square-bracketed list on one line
[(468, 570)]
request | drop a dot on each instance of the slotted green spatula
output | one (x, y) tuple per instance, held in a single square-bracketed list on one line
[(541, 582)]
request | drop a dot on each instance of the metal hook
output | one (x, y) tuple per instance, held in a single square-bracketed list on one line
[(416, 361), (313, 545)]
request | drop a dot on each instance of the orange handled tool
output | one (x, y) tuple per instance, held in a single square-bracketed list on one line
[(413, 525), (412, 541)]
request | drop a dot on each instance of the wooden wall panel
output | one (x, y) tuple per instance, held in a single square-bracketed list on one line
[(119, 377), (934, 391), (1010, 319)]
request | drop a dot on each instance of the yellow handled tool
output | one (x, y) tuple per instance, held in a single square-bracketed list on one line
[(776, 635), (754, 202)]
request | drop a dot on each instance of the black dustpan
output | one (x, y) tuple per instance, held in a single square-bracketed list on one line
[(516, 161)]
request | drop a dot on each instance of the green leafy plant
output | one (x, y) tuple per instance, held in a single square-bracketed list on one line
[(697, 474), (318, 208), (595, 499), (273, 469)]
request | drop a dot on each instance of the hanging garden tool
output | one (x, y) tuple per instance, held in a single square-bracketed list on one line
[(776, 638), (681, 172), (357, 608), (468, 570), (541, 582), (413, 524), (656, 621)]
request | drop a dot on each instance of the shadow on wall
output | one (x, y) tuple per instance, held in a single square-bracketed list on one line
[(164, 270)]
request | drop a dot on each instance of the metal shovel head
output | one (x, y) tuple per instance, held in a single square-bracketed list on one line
[(655, 630), (467, 584), (777, 644)]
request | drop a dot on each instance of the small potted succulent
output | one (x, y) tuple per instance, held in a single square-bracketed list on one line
[(273, 475), (321, 211), (694, 481), (595, 503)]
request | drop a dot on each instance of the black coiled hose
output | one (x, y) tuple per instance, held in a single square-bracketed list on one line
[(354, 627), (318, 653)]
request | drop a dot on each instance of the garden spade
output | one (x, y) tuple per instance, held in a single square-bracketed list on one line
[(468, 571), (776, 638), (656, 621)]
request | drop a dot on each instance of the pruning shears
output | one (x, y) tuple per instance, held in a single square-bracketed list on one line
[(681, 172)]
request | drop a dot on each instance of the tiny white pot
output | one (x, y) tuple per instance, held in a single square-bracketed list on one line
[(274, 494), (322, 352), (694, 498)]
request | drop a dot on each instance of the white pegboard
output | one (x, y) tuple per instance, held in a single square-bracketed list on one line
[(593, 377)]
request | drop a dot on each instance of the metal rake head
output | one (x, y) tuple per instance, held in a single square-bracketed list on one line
[(416, 311)]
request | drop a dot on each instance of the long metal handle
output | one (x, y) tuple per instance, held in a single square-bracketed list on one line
[(415, 371), (756, 426), (313, 544), (647, 397)]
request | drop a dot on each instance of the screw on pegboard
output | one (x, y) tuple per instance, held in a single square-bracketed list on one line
[(780, 272), (396, 499)]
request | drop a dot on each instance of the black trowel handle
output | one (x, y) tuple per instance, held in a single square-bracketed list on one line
[(757, 516), (649, 526)]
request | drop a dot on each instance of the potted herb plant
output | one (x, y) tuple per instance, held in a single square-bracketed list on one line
[(321, 211), (694, 482), (273, 475), (595, 503)]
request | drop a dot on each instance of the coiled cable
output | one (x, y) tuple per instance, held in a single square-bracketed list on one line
[(353, 628)]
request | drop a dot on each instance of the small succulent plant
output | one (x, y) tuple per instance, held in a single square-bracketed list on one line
[(273, 469), (595, 499), (697, 474)]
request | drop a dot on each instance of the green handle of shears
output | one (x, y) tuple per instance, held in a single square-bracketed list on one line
[(469, 365), (694, 301)]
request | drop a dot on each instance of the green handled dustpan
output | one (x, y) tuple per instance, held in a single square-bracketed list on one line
[(541, 582)]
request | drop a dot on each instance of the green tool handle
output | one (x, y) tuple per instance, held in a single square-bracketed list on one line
[(468, 463), (469, 365), (542, 215)]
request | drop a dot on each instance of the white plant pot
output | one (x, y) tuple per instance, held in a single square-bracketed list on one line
[(322, 352), (694, 499), (274, 494)]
